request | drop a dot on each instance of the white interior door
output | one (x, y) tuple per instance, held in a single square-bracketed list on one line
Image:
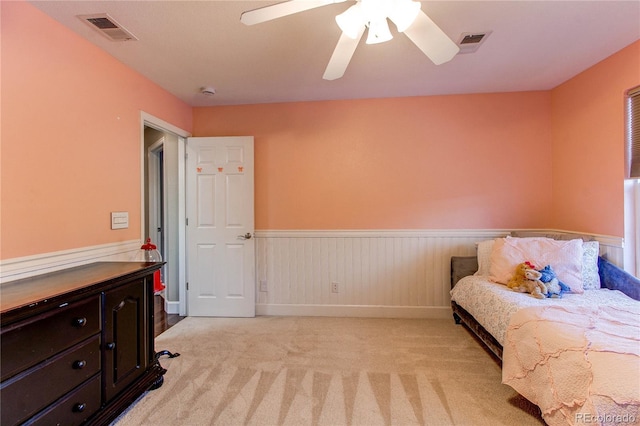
[(220, 226)]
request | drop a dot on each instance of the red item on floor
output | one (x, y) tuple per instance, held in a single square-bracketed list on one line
[(158, 286)]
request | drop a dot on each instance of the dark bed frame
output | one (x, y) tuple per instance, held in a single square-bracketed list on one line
[(611, 277), (462, 266)]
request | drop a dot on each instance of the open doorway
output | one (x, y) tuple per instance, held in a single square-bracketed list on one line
[(163, 215), (155, 199)]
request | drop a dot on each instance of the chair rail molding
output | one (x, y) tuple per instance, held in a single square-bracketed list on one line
[(29, 266)]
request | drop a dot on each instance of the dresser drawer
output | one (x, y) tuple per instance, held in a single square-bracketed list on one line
[(27, 343), (73, 409), (25, 394)]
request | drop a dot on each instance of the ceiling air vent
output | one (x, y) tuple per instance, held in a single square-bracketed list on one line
[(108, 27), (470, 42)]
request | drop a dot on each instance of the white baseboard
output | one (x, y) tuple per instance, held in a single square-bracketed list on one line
[(172, 307), (431, 312), (29, 266)]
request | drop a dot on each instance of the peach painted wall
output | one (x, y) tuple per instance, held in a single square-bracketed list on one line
[(70, 136), (442, 162), (588, 125), (70, 149)]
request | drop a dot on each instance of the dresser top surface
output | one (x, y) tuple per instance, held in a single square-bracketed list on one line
[(40, 289)]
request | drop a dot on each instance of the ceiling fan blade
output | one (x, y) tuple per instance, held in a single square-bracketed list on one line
[(279, 10), (429, 38), (342, 55)]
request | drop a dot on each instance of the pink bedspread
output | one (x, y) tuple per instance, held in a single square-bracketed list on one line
[(579, 364)]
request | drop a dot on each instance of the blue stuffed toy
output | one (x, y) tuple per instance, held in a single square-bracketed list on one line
[(555, 287)]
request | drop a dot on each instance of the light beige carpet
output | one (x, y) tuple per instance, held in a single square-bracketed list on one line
[(327, 371)]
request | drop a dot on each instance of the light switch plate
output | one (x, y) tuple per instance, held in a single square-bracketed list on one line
[(119, 220)]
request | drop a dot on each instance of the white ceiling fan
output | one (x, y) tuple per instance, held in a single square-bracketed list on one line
[(372, 15)]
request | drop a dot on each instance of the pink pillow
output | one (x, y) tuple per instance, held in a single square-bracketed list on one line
[(565, 257)]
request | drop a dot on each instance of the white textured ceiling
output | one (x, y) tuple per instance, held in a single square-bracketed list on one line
[(185, 45)]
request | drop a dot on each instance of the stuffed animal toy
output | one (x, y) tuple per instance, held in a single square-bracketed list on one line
[(527, 280), (519, 276), (555, 287)]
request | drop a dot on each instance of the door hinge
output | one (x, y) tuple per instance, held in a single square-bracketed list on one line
[(187, 221), (187, 285)]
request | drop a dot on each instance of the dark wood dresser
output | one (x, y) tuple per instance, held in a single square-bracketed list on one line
[(77, 346)]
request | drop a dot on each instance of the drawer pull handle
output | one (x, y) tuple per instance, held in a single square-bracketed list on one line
[(80, 322), (79, 365), (79, 407), (111, 346)]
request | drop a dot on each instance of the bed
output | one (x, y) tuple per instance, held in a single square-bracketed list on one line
[(576, 357)]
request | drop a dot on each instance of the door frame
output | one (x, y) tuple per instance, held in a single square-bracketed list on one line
[(155, 185), (148, 120)]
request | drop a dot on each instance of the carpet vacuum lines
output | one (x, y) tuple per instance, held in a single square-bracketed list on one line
[(279, 371)]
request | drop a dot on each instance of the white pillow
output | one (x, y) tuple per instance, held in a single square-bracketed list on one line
[(590, 276), (484, 249), (565, 257)]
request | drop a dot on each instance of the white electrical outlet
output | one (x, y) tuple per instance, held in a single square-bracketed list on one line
[(263, 285), (335, 287)]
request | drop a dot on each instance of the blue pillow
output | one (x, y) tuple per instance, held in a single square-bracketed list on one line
[(614, 278)]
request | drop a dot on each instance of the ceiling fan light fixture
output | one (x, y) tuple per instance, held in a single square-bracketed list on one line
[(372, 15), (350, 21), (403, 13), (379, 31)]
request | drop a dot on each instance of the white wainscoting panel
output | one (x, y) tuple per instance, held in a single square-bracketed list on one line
[(378, 273)]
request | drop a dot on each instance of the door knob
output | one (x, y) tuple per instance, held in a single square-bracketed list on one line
[(246, 236)]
